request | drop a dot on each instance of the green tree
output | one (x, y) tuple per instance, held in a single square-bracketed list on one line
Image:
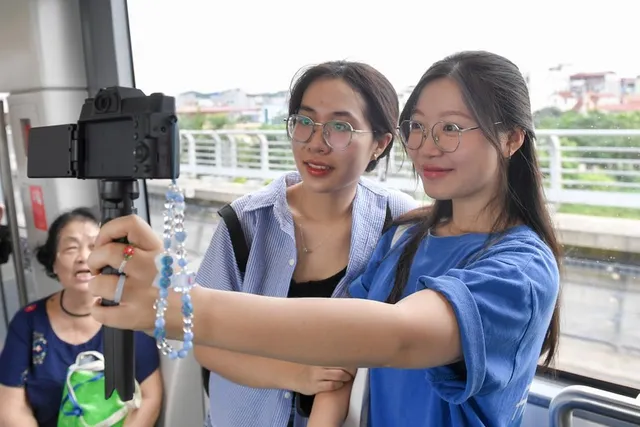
[(594, 120), (545, 114), (217, 121), (192, 121)]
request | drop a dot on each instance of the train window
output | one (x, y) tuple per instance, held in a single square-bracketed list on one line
[(230, 71)]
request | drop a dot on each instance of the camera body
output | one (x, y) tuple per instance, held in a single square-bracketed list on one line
[(122, 134)]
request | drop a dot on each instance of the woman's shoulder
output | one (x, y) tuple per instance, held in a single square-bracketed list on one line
[(30, 323), (267, 196), (522, 252), (398, 201), (31, 311), (522, 238)]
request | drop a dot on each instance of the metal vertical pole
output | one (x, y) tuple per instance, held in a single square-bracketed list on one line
[(12, 216)]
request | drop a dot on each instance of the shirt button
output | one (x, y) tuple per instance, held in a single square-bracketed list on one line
[(292, 261), (287, 395)]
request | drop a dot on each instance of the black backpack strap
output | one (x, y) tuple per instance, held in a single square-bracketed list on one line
[(240, 248), (241, 252), (388, 220), (205, 380)]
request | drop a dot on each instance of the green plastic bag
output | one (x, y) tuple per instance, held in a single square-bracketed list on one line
[(83, 402)]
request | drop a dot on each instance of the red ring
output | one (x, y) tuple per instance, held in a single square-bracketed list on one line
[(128, 252)]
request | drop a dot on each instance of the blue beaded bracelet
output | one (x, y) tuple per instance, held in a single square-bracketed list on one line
[(173, 273)]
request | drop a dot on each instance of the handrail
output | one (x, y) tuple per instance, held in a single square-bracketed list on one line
[(591, 400)]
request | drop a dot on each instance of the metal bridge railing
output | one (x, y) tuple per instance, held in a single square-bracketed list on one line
[(591, 167), (599, 167)]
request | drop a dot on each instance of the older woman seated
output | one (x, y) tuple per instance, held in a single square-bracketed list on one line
[(45, 337)]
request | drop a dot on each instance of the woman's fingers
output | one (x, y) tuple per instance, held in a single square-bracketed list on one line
[(135, 310), (109, 255), (134, 229), (140, 264), (336, 374), (146, 245), (104, 286)]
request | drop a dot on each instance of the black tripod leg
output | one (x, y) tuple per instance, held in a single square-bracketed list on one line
[(119, 363), (119, 345)]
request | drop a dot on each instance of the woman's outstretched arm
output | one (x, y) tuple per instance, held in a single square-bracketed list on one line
[(486, 305), (419, 331)]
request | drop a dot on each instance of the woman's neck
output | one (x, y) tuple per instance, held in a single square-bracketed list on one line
[(321, 207), (76, 302), (473, 216)]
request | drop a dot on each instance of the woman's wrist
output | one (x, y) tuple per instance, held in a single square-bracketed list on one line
[(174, 317)]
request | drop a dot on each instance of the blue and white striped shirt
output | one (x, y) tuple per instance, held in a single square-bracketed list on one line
[(269, 231)]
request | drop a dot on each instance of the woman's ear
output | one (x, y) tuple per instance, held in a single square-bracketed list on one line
[(382, 144), (514, 142)]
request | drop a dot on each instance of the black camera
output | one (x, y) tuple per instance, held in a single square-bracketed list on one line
[(121, 134)]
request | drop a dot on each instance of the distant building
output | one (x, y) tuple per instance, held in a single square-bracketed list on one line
[(235, 104), (588, 91), (227, 98), (274, 105)]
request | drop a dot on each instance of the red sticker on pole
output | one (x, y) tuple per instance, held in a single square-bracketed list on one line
[(37, 207), (26, 130)]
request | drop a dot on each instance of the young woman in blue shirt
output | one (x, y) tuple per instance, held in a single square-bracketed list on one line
[(310, 234), (452, 319)]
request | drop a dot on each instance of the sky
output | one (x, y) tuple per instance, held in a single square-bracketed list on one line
[(257, 45)]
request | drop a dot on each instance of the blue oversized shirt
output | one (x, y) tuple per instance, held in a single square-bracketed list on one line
[(503, 298)]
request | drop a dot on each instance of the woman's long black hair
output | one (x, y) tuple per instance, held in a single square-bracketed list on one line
[(495, 91)]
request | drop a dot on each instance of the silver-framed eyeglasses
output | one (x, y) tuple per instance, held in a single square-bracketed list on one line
[(446, 135), (337, 134)]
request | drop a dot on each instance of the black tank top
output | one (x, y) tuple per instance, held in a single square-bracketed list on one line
[(312, 289), (316, 288)]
